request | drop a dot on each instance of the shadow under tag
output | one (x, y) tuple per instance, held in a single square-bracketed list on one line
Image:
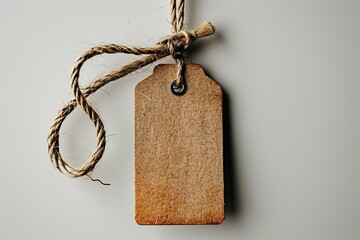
[(178, 149)]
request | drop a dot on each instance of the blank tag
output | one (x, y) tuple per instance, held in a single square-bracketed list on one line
[(178, 149)]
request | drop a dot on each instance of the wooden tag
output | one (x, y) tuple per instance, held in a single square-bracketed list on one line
[(178, 149)]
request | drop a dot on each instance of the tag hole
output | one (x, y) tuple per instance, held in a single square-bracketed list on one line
[(178, 91)]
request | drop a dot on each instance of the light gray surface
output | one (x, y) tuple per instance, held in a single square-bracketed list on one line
[(290, 70)]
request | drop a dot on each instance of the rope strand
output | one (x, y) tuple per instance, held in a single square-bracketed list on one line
[(177, 21)]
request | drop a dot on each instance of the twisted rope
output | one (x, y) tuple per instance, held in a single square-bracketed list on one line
[(177, 22), (175, 45)]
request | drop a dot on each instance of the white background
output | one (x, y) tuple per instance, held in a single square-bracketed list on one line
[(290, 69)]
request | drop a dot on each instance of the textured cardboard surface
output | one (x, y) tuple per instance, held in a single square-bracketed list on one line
[(178, 149)]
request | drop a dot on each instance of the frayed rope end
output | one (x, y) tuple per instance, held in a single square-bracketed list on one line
[(205, 29)]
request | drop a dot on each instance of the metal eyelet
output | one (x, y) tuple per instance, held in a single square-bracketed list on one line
[(178, 91)]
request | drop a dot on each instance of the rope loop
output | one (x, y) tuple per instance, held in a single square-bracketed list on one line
[(175, 45)]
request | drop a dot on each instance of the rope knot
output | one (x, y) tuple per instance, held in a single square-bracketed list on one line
[(178, 43)]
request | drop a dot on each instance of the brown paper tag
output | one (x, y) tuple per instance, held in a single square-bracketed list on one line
[(178, 149)]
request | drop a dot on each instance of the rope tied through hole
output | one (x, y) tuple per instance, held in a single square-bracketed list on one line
[(177, 22), (175, 45)]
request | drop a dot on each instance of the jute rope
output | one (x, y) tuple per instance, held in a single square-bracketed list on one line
[(177, 22), (175, 45)]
